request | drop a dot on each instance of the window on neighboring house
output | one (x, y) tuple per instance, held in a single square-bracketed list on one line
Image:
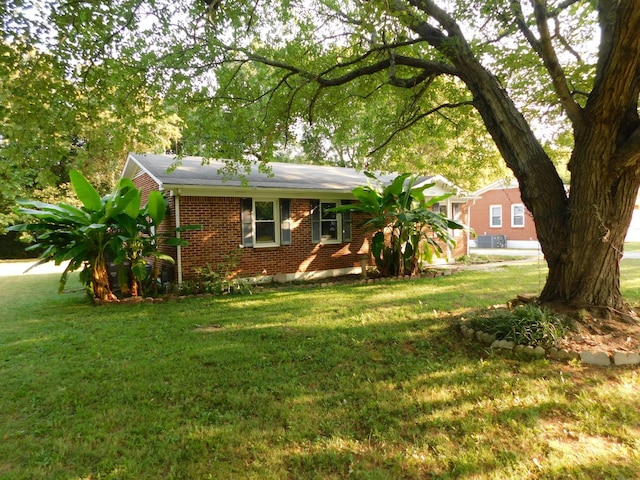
[(327, 226), (517, 215), (266, 222), (496, 216), (440, 208)]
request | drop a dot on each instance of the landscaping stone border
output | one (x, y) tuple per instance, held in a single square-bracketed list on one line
[(598, 358)]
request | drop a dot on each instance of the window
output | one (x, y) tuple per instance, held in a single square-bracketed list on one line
[(456, 212), (439, 208), (327, 226), (328, 222), (266, 222), (264, 212), (496, 216), (517, 215)]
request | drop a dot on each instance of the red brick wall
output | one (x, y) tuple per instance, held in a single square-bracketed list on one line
[(221, 234), (481, 213), (146, 183)]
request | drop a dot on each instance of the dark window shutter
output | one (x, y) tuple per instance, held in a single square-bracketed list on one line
[(285, 221), (315, 221), (247, 224), (346, 223)]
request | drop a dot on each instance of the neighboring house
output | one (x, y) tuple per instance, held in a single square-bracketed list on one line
[(280, 220), (500, 219), (498, 213)]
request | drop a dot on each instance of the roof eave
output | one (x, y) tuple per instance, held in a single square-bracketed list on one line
[(240, 191)]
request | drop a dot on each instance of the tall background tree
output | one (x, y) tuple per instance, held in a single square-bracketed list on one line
[(403, 79), (60, 111)]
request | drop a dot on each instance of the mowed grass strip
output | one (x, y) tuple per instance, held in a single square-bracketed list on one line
[(346, 381)]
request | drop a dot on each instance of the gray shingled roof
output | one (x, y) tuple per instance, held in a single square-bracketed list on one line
[(192, 172)]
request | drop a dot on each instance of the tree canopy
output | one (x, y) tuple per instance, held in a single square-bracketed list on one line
[(555, 83), (56, 115)]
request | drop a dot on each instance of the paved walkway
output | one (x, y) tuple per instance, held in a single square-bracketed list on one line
[(525, 252), (507, 252)]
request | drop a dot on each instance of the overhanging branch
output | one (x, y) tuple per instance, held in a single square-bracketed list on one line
[(415, 120), (552, 64), (427, 68)]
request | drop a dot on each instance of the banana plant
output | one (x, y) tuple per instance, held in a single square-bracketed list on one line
[(114, 226), (406, 231)]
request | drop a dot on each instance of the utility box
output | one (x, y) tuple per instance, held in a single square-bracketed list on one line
[(113, 269), (492, 241)]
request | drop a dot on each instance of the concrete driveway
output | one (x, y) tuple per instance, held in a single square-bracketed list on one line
[(525, 252), (507, 252), (10, 268)]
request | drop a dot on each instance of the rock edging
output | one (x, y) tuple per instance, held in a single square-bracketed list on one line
[(589, 357)]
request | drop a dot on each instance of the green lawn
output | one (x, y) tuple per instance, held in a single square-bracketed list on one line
[(361, 381)]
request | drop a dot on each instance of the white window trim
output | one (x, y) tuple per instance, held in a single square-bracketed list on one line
[(338, 224), (513, 216), (491, 224), (276, 220)]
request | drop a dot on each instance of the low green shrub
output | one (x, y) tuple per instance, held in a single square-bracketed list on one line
[(528, 324), (219, 280)]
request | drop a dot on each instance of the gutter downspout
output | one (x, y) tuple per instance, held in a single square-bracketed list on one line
[(178, 248)]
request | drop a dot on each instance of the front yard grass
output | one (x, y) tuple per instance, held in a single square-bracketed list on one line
[(347, 381)]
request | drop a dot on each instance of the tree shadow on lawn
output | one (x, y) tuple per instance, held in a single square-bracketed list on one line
[(393, 401), (268, 391)]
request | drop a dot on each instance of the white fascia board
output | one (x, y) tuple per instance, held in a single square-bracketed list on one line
[(497, 185), (442, 186), (130, 167)]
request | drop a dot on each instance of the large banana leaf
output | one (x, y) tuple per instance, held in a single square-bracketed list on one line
[(84, 190), (156, 207)]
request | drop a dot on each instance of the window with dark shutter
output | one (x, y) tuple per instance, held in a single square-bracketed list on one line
[(346, 223), (285, 221), (247, 223), (315, 221)]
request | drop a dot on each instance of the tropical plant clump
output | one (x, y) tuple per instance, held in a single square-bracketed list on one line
[(114, 228), (407, 232), (524, 325)]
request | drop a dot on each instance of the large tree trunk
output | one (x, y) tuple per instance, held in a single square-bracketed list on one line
[(601, 203), (581, 232)]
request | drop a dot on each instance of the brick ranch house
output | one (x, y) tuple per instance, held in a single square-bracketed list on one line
[(279, 221), (497, 210)]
